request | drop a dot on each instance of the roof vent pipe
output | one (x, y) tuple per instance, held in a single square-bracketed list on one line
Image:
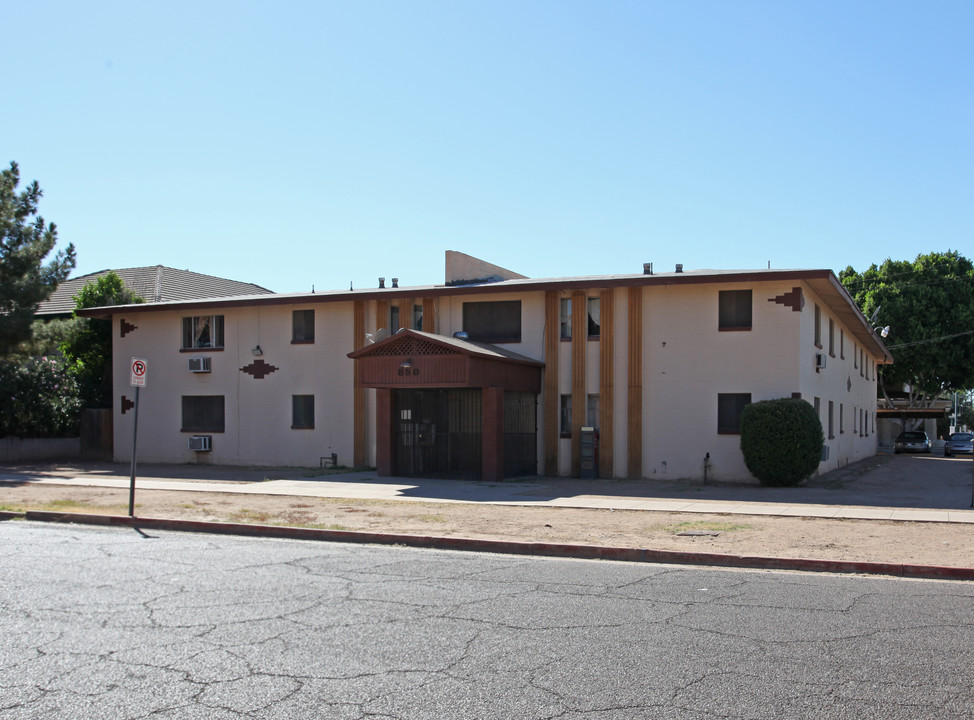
[(382, 282), (647, 268), (395, 282), (679, 267)]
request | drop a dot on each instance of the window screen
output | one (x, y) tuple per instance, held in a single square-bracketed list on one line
[(493, 322), (734, 310), (203, 413), (729, 409)]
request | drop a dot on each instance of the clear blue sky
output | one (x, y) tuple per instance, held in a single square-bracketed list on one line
[(293, 144)]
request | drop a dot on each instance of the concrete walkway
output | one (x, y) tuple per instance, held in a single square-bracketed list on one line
[(907, 488)]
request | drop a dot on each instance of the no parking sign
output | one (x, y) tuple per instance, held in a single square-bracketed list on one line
[(139, 369)]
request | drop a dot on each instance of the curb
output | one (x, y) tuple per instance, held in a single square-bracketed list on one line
[(508, 547)]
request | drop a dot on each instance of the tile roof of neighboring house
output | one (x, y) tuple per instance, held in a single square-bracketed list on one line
[(155, 283)]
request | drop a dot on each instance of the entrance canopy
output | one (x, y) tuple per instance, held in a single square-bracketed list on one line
[(414, 359)]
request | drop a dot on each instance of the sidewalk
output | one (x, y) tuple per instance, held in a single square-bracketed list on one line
[(870, 490)]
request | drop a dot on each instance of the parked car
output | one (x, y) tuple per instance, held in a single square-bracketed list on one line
[(960, 443), (912, 441)]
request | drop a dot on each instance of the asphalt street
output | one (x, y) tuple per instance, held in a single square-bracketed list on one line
[(114, 623)]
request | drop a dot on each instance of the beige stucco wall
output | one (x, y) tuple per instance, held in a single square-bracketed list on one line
[(843, 381), (258, 411)]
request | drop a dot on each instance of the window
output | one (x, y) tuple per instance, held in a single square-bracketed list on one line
[(841, 344), (203, 413), (592, 411), (302, 412), (729, 409), (831, 337), (302, 326), (202, 331), (417, 317), (817, 404), (594, 318), (566, 416), (855, 355), (841, 419), (818, 326), (734, 310), (493, 322), (831, 425), (394, 320), (565, 318)]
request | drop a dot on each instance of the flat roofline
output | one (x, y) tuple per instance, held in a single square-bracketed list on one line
[(823, 282)]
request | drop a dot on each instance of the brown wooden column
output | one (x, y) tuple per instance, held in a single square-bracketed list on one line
[(579, 397), (551, 398), (406, 313), (606, 383), (429, 315), (634, 437), (359, 426), (383, 432), (492, 433)]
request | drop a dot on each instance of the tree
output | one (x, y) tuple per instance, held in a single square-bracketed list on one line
[(25, 241), (928, 305), (88, 345)]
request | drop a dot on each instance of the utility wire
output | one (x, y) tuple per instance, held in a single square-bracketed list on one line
[(936, 339)]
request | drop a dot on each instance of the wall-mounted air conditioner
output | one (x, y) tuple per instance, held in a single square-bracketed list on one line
[(201, 443), (819, 361), (199, 364)]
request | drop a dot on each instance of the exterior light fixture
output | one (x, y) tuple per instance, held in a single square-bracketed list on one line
[(406, 364), (257, 351), (883, 331)]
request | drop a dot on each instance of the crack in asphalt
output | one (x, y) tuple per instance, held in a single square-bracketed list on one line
[(112, 628)]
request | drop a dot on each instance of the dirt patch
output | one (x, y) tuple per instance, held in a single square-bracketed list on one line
[(921, 543)]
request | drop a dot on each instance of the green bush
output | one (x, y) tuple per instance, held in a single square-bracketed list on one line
[(40, 399), (781, 441)]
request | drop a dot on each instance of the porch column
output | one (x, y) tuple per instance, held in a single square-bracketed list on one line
[(383, 432), (492, 433)]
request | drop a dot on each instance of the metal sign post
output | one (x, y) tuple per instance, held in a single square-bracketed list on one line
[(139, 369)]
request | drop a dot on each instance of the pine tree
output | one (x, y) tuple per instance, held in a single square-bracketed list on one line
[(25, 241)]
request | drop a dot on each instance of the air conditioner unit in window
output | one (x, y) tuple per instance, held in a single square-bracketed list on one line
[(199, 364), (201, 443), (819, 361)]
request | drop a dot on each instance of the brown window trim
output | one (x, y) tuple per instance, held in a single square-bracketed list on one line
[(742, 328), (302, 342), (201, 350), (202, 432), (594, 338), (566, 339)]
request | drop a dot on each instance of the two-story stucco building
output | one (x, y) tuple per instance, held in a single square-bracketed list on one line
[(492, 374)]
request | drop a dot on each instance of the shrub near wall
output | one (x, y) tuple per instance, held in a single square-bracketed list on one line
[(781, 441), (40, 399)]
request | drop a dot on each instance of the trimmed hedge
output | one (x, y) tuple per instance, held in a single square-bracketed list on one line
[(781, 441)]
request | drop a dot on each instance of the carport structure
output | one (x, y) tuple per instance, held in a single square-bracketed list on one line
[(446, 406)]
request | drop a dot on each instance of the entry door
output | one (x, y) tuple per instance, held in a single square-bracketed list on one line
[(436, 433)]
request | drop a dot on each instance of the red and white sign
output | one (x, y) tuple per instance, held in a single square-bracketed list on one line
[(140, 368)]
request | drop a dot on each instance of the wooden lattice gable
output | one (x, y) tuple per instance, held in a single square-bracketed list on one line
[(406, 343)]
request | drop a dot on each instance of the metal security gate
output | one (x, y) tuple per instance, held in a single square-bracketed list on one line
[(520, 434), (437, 433)]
